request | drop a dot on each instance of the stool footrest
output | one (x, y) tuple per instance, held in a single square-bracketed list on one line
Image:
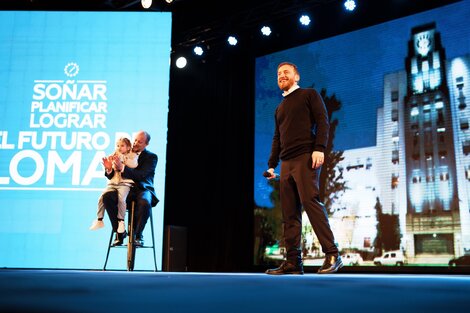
[(138, 247), (131, 248)]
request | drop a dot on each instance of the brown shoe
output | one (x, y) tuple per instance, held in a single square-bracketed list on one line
[(331, 264), (287, 267)]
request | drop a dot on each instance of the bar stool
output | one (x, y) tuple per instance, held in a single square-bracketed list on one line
[(131, 248)]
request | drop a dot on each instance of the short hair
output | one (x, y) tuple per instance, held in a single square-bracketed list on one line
[(296, 70), (147, 136), (126, 141)]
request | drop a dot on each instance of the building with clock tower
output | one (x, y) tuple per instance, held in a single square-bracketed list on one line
[(432, 215), (422, 157)]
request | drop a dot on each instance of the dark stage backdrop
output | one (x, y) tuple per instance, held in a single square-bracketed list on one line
[(397, 176), (210, 161), (71, 83)]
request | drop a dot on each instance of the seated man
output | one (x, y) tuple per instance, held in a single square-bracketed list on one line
[(143, 193)]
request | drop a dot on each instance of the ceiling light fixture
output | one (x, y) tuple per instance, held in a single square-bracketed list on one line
[(232, 40), (305, 20), (146, 4), (181, 62), (266, 30), (350, 5)]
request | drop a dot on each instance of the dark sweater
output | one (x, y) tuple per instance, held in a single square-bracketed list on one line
[(301, 126)]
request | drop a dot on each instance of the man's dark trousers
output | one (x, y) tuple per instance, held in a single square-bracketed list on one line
[(299, 188), (143, 200)]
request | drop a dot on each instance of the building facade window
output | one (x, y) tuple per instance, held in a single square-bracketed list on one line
[(463, 123), (394, 96), (461, 99), (466, 147), (395, 181), (429, 178), (444, 176), (467, 172), (395, 158)]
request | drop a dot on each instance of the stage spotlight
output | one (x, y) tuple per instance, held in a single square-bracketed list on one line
[(305, 20), (146, 4), (198, 50), (350, 5), (181, 62), (266, 30), (232, 40)]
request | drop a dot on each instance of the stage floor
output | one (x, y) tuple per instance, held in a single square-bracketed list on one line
[(128, 292)]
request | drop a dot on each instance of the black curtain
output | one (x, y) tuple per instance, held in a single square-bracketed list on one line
[(209, 173)]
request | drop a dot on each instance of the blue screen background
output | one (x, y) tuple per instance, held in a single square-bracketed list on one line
[(45, 215)]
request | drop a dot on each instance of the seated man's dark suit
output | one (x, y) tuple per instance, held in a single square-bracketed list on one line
[(143, 193)]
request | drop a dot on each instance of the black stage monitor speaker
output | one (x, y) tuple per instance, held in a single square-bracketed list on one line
[(175, 249)]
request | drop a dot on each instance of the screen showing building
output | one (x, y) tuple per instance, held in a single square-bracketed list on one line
[(396, 184)]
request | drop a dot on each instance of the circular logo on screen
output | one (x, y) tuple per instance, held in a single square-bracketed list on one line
[(423, 44), (71, 69)]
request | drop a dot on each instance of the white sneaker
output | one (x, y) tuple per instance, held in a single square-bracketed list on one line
[(97, 225), (121, 227)]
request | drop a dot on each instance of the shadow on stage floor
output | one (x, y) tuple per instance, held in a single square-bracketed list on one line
[(23, 290)]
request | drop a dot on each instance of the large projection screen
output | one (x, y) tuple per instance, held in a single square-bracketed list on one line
[(71, 83), (398, 174)]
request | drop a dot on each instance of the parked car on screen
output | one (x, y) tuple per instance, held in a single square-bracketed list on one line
[(461, 261), (274, 249), (352, 259), (391, 258)]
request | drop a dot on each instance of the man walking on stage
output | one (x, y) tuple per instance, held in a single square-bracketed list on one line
[(300, 138)]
